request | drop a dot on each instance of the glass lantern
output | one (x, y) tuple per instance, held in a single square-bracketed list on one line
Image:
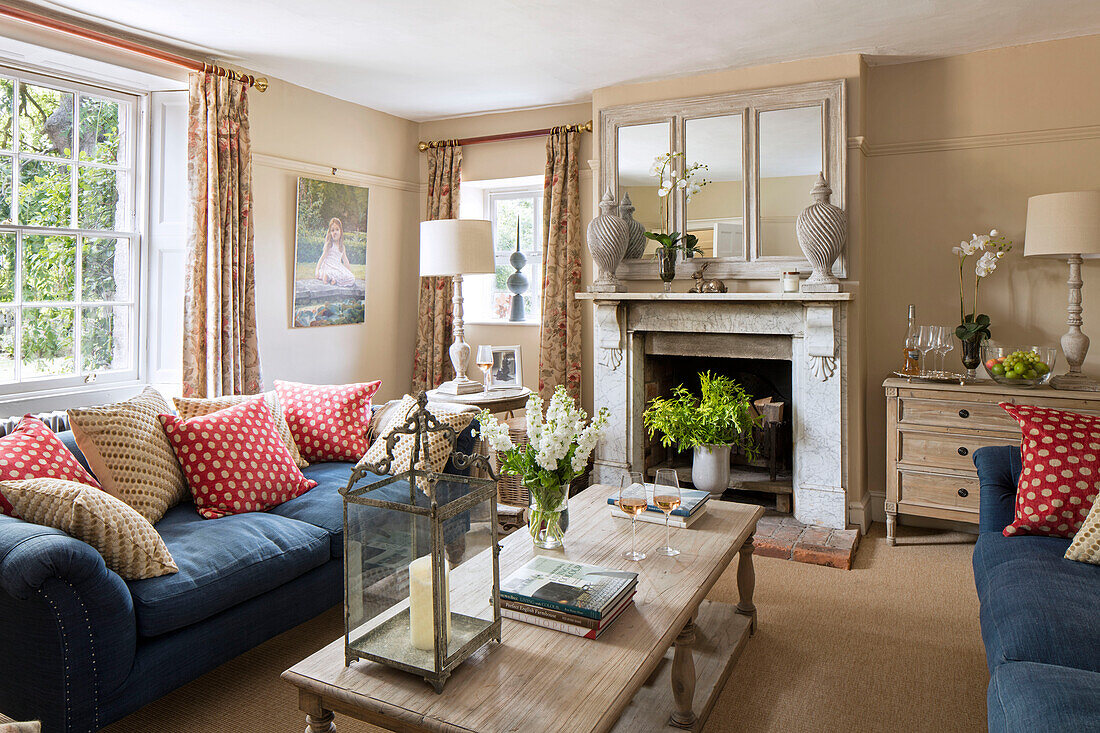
[(421, 573)]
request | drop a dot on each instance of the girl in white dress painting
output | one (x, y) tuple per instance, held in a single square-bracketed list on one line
[(333, 268)]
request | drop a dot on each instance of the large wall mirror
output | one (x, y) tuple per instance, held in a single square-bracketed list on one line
[(759, 153)]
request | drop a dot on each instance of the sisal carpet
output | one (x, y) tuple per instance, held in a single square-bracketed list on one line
[(891, 645)]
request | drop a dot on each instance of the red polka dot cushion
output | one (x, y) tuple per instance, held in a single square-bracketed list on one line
[(234, 461), (328, 422), (1061, 470), (32, 450)]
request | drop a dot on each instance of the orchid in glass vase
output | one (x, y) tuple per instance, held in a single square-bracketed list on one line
[(974, 326), (557, 451)]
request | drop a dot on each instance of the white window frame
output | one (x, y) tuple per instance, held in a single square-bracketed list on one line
[(510, 193), (137, 168)]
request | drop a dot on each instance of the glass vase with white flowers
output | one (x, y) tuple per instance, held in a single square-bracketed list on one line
[(974, 326), (557, 451)]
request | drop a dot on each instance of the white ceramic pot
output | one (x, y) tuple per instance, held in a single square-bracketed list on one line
[(710, 468)]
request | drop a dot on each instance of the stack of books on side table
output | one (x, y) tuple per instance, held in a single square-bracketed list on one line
[(566, 596), (693, 504)]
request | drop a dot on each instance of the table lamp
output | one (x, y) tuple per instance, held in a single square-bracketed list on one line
[(1067, 225), (457, 247)]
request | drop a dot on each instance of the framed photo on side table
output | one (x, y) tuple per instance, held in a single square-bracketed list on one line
[(507, 370)]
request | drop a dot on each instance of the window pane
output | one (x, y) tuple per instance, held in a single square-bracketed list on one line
[(7, 88), (505, 214), (45, 194), (7, 267), (46, 120), (48, 342), (105, 338), (106, 264), (5, 187), (7, 345), (100, 131), (49, 267), (103, 199)]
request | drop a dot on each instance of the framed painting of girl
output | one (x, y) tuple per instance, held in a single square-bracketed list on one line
[(330, 254)]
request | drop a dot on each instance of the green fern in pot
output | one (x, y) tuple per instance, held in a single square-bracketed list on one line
[(710, 425)]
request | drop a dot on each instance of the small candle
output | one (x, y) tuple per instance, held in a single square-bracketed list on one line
[(790, 282), (421, 614)]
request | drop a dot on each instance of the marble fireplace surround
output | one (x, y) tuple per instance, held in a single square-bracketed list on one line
[(816, 326)]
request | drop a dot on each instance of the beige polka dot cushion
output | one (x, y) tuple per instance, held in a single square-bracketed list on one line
[(1086, 543), (128, 543), (189, 407), (439, 448), (129, 453)]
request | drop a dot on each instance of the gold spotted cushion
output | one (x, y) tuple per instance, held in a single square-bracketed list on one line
[(189, 407), (439, 448), (129, 453), (1086, 543), (128, 543)]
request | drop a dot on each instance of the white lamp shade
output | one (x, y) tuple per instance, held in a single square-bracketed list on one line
[(1062, 224), (456, 247)]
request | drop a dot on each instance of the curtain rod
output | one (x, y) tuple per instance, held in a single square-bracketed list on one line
[(424, 146), (121, 43)]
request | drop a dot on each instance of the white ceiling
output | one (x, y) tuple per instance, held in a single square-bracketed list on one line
[(425, 59)]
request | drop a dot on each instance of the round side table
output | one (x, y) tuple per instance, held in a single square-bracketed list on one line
[(494, 400)]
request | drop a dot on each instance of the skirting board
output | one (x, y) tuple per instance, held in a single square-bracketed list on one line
[(720, 635)]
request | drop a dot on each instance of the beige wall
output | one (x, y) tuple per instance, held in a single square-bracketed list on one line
[(293, 129), (958, 145), (513, 159)]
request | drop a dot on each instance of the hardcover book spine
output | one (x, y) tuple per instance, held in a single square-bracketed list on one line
[(548, 623), (674, 521), (547, 613), (505, 595)]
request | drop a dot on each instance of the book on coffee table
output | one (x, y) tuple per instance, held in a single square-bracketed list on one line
[(659, 518), (691, 501), (548, 619), (571, 588)]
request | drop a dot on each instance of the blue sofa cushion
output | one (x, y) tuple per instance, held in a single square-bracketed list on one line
[(1036, 606), (222, 562), (322, 506), (69, 440), (1024, 697)]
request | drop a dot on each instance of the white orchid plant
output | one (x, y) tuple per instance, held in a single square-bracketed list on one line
[(992, 247), (690, 180), (557, 451)]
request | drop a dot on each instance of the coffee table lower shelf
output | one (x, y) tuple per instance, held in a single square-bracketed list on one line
[(720, 636)]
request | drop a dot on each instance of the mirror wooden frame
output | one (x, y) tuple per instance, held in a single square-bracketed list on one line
[(830, 95)]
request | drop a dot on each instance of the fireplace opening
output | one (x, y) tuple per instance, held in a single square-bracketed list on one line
[(767, 479)]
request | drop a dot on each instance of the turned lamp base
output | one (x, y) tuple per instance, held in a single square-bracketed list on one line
[(461, 385), (1075, 381)]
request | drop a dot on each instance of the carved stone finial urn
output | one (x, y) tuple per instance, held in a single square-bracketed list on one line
[(822, 232), (607, 240), (635, 240)]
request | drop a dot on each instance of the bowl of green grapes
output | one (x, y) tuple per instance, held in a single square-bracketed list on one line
[(1028, 366)]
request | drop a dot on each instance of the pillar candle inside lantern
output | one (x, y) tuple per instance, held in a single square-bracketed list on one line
[(421, 618)]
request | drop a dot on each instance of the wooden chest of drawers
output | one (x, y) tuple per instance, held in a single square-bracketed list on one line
[(933, 431)]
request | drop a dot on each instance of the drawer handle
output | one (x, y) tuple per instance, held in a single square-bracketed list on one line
[(964, 493), (964, 414), (963, 451)]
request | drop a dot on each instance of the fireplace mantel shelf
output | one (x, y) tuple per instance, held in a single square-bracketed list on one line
[(717, 297)]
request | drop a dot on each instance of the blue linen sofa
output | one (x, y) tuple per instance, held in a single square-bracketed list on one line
[(80, 647), (1040, 615)]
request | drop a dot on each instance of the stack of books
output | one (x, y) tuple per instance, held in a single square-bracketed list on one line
[(566, 596), (693, 504)]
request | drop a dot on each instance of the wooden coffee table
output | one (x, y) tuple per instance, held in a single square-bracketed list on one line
[(541, 680)]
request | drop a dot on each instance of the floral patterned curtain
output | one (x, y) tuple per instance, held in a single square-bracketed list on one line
[(560, 333), (220, 351), (435, 309)]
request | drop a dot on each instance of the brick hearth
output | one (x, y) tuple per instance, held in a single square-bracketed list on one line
[(787, 538)]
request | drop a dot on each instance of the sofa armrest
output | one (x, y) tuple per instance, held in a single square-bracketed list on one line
[(998, 473), (69, 629)]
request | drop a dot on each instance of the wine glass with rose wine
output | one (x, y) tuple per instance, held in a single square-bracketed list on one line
[(632, 502), (484, 361), (666, 495)]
